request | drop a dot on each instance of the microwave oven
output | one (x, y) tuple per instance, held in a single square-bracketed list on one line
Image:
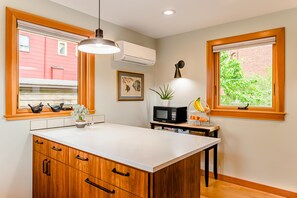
[(170, 114)]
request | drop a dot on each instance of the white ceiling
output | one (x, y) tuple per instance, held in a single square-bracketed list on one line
[(145, 16)]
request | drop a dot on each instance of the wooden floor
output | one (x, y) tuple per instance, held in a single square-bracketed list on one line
[(221, 189)]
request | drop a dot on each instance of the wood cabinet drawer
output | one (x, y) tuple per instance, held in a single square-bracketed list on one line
[(124, 177), (84, 161), (58, 152), (86, 186), (40, 145)]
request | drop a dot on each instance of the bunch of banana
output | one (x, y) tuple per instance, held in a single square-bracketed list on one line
[(198, 106)]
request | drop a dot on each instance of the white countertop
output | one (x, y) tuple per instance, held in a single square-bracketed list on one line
[(145, 149)]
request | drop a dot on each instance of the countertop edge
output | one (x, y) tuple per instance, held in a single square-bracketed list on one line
[(103, 155), (168, 163)]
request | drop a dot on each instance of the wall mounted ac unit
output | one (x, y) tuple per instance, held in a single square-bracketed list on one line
[(135, 54)]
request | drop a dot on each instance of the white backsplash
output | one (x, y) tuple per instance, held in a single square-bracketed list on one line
[(38, 124)]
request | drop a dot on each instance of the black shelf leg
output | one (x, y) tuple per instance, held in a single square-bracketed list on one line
[(206, 164), (215, 161)]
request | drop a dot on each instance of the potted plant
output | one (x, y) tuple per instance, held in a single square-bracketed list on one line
[(79, 113), (165, 93)]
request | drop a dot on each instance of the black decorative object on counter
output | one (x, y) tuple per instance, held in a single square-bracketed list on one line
[(245, 107), (37, 108), (56, 108)]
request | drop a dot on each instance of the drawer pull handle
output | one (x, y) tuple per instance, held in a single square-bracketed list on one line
[(82, 159), (56, 149), (37, 142), (100, 187), (123, 174), (44, 166)]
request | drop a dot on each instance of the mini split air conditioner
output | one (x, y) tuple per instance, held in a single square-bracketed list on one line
[(136, 54)]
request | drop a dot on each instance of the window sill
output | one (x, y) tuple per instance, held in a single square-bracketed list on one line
[(28, 116), (259, 115)]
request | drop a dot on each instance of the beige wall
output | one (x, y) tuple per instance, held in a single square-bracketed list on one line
[(15, 141), (254, 150)]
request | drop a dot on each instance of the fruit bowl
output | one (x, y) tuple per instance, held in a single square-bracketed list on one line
[(199, 113)]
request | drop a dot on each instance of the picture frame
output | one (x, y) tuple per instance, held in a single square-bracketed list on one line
[(130, 86)]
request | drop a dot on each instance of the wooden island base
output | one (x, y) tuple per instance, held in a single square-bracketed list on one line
[(62, 171), (181, 179)]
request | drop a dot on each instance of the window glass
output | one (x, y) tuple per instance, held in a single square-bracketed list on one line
[(246, 77), (24, 43), (46, 77), (62, 48)]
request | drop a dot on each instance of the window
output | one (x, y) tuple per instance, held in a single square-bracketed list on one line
[(62, 48), (24, 43), (46, 82), (42, 75), (246, 75)]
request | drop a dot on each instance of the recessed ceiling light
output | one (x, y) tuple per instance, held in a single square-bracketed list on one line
[(168, 12)]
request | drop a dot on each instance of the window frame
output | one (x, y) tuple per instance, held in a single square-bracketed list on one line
[(278, 78), (86, 69), (65, 45)]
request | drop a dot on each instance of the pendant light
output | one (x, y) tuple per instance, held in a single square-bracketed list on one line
[(98, 45)]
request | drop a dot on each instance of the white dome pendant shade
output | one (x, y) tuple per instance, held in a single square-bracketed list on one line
[(98, 45)]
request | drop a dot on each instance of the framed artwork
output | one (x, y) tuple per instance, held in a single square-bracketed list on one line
[(130, 86)]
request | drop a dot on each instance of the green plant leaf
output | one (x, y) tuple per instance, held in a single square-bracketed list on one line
[(165, 92)]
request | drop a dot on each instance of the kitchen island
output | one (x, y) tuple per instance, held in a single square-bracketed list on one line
[(110, 160)]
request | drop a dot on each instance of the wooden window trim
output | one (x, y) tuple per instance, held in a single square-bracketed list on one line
[(277, 110), (86, 69)]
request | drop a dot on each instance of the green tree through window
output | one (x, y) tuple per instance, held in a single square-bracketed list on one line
[(237, 89)]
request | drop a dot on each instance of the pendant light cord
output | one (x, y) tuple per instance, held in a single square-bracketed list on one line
[(99, 16)]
